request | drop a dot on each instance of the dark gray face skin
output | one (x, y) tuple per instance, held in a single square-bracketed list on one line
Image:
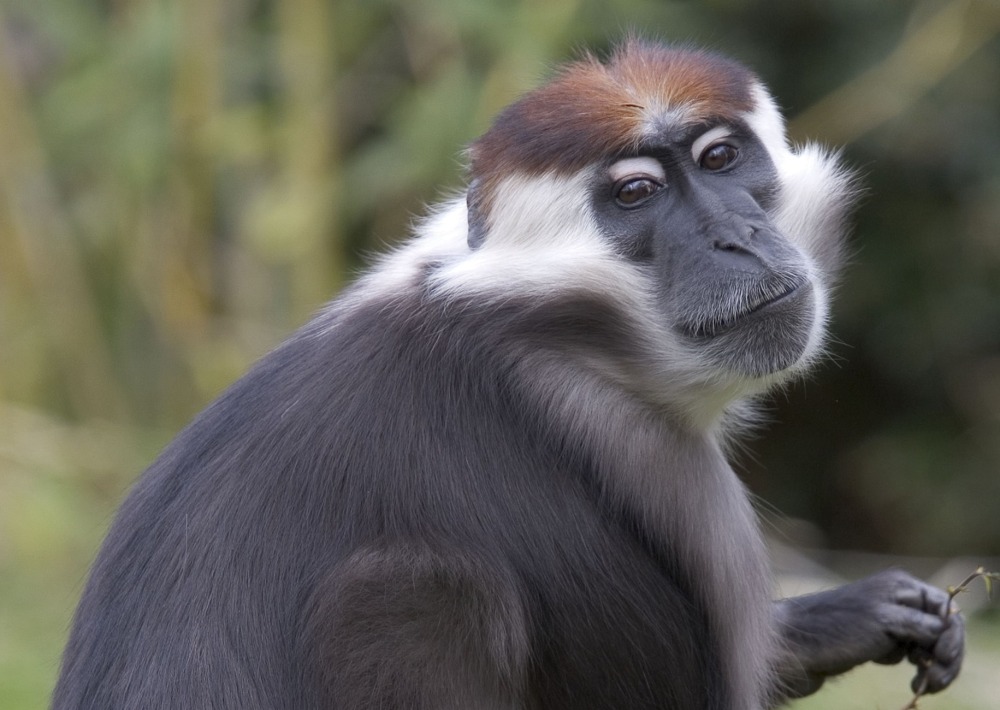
[(729, 283)]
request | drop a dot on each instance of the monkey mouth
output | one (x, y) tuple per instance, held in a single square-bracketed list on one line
[(769, 302)]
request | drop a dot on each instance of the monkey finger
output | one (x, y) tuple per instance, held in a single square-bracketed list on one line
[(950, 647), (925, 597), (940, 664), (896, 655), (934, 678), (912, 625), (920, 656), (947, 650)]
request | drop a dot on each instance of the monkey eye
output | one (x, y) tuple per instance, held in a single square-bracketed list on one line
[(718, 156), (631, 191)]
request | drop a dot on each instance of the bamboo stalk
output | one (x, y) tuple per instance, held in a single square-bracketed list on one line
[(309, 151), (42, 243)]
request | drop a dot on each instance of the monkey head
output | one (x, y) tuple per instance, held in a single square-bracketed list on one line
[(663, 181)]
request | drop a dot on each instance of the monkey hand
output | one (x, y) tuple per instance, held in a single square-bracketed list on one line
[(883, 618)]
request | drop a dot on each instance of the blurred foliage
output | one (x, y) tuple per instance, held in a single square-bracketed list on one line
[(182, 183)]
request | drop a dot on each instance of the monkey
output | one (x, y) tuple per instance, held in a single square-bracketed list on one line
[(492, 474)]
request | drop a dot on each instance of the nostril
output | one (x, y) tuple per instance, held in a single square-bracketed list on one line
[(736, 255), (720, 245)]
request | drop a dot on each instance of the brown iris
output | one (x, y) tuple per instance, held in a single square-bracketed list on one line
[(633, 191), (719, 156)]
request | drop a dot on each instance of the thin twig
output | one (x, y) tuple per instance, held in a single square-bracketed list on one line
[(953, 592)]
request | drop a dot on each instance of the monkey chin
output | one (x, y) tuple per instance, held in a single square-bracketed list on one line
[(768, 343)]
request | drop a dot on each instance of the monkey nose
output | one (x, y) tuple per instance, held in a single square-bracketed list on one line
[(733, 244)]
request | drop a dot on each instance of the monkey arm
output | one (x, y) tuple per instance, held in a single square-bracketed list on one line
[(883, 618)]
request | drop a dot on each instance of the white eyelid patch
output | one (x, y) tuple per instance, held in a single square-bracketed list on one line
[(707, 138), (638, 166)]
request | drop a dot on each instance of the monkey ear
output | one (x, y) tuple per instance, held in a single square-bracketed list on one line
[(476, 219)]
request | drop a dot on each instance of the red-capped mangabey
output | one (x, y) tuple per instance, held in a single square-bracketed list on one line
[(491, 475)]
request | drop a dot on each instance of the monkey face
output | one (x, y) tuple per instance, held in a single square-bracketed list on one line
[(691, 210)]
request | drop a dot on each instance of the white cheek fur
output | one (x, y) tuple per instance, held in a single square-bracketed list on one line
[(815, 189)]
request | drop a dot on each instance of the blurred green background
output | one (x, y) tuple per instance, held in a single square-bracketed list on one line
[(183, 183)]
